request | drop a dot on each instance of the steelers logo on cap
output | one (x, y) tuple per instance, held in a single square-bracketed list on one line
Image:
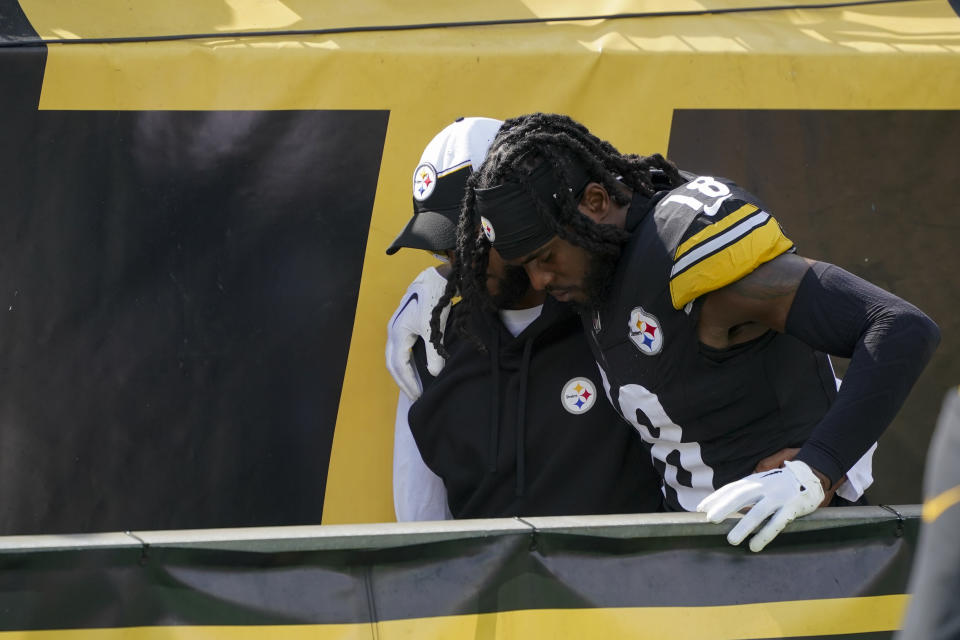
[(424, 181), (487, 229), (578, 395)]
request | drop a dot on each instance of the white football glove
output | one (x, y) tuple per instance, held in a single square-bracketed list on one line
[(784, 494), (412, 320)]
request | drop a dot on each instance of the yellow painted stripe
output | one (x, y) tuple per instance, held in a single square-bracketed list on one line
[(117, 18), (935, 506), (719, 227), (826, 617), (729, 265)]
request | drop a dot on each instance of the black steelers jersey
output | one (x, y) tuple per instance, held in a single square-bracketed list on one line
[(707, 415)]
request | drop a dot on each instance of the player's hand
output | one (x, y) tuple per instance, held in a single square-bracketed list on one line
[(412, 320), (781, 494), (776, 460)]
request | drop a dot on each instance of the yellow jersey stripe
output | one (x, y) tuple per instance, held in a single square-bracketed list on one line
[(718, 227), (729, 264)]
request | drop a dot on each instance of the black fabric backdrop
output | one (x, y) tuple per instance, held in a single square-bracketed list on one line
[(178, 293)]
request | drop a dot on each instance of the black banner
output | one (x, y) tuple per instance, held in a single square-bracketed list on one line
[(177, 314), (15, 28)]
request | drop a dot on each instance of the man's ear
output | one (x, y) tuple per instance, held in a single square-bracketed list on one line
[(595, 203)]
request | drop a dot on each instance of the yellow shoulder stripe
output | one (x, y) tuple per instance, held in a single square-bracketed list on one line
[(935, 506), (716, 228), (729, 264)]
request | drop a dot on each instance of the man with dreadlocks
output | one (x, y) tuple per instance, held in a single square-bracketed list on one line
[(536, 441), (710, 331)]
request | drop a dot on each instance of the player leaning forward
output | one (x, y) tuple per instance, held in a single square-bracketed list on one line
[(709, 330)]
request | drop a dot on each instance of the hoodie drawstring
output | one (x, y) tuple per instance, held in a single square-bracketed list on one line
[(495, 402), (522, 415)]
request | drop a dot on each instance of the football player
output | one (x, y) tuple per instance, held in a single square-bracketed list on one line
[(710, 331)]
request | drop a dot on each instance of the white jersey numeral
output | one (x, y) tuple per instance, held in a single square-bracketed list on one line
[(680, 463), (707, 186)]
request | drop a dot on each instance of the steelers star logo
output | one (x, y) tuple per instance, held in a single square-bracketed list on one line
[(487, 229), (578, 395), (424, 181), (645, 332)]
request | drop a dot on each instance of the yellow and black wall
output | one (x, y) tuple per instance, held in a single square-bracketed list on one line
[(651, 577), (197, 196)]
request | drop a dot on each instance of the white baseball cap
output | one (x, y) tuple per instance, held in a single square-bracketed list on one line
[(439, 182)]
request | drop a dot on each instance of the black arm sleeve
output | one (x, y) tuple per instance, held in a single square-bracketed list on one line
[(889, 342)]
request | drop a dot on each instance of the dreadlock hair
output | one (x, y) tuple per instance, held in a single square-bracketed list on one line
[(467, 275), (523, 144)]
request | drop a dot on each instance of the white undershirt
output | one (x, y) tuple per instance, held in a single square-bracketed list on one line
[(516, 320)]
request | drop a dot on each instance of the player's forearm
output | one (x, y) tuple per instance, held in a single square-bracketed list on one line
[(889, 342)]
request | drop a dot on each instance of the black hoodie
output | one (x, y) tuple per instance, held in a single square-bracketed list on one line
[(525, 429)]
